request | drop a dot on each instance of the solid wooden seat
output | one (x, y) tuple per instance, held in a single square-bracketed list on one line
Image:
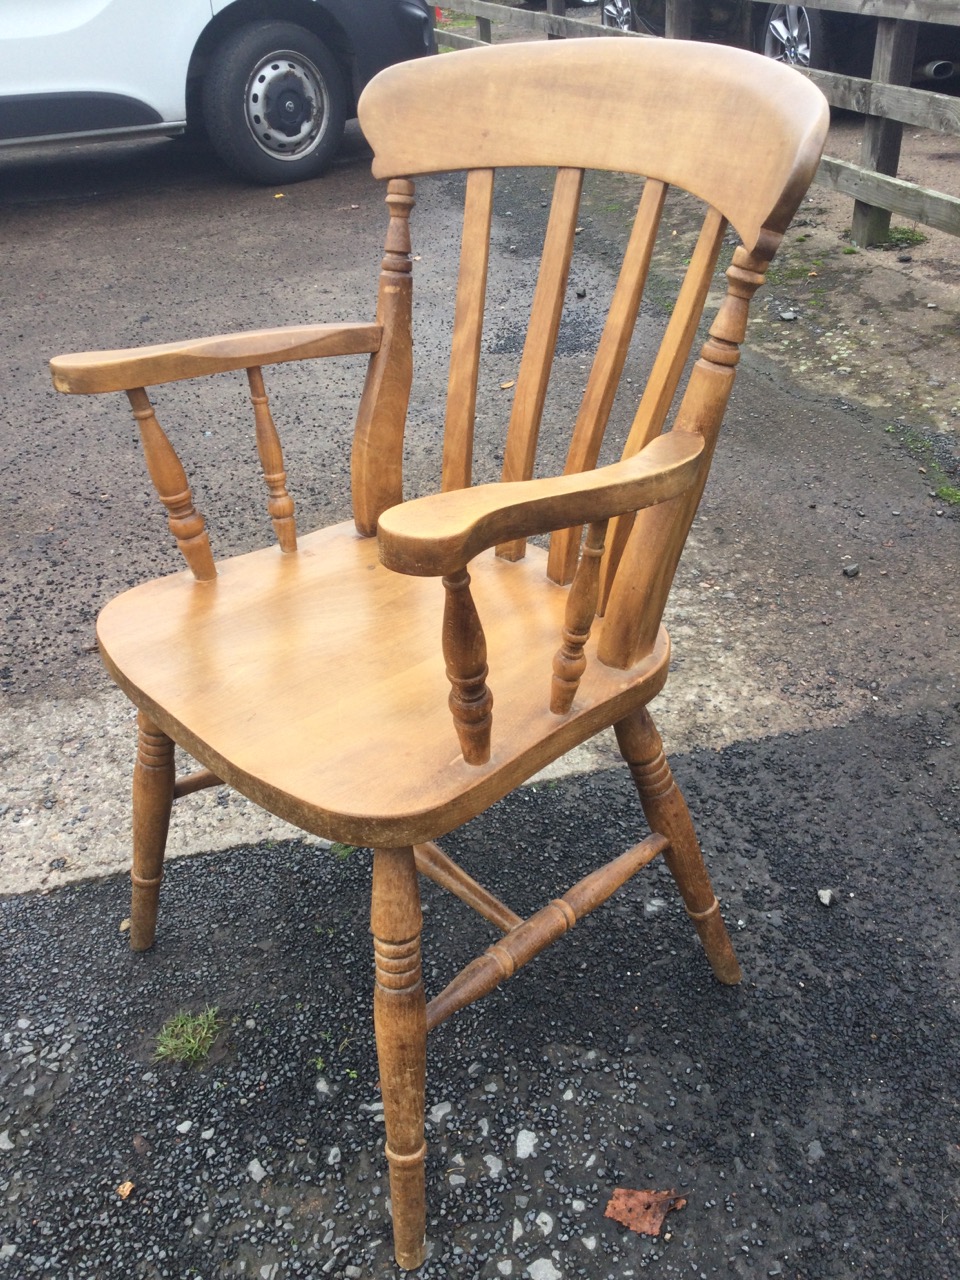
[(298, 639), (331, 678)]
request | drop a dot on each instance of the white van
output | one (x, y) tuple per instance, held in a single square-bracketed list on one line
[(271, 81)]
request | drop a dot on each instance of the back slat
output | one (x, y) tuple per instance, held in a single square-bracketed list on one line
[(678, 339), (538, 350), (467, 331), (666, 374), (608, 366)]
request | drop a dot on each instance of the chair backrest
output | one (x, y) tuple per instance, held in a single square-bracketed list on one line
[(740, 132)]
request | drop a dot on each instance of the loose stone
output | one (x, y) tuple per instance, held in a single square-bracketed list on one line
[(526, 1144), (543, 1269)]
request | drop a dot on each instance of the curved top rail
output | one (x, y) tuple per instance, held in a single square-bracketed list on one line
[(742, 132)]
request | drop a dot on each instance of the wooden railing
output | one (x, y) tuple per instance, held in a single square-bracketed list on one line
[(888, 103), (553, 23), (885, 100)]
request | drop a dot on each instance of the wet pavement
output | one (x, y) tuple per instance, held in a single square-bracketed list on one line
[(809, 1117)]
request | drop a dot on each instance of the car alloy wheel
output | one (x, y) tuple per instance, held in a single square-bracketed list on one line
[(789, 35), (619, 14)]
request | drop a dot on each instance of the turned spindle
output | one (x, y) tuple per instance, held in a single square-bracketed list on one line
[(279, 502), (570, 662), (465, 653), (170, 481)]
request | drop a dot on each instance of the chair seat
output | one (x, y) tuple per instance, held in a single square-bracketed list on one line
[(313, 683)]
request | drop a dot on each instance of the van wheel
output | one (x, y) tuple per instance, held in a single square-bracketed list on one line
[(274, 103)]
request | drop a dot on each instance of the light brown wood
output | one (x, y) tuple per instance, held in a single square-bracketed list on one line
[(433, 863), (132, 367), (570, 662), (652, 551), (153, 778), (777, 123), (191, 782), (317, 682), (376, 465), (674, 350), (279, 502), (465, 651), (467, 332), (433, 535), (667, 813), (399, 1018), (607, 368), (668, 366), (300, 637), (170, 481), (532, 936), (538, 349)]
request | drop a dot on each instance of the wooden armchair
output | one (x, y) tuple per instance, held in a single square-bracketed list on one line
[(330, 679)]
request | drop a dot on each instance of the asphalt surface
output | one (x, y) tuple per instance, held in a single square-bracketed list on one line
[(809, 1117)]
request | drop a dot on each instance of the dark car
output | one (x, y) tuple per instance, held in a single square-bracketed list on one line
[(272, 82), (798, 34)]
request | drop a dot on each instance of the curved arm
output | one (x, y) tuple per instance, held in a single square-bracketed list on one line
[(132, 367), (440, 534)]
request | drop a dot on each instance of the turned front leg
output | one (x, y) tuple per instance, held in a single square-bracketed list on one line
[(667, 812), (400, 1022), (153, 779)]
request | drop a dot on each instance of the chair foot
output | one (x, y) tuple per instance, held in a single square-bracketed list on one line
[(400, 1022), (153, 779), (666, 811)]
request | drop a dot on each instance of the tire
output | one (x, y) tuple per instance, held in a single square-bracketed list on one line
[(274, 103), (619, 14), (794, 34)]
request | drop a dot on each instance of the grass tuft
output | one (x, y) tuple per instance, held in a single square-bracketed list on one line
[(187, 1037), (903, 238)]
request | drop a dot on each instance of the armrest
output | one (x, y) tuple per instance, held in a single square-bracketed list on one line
[(439, 534), (123, 370)]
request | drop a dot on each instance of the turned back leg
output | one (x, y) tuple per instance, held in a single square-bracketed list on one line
[(666, 812), (153, 778), (400, 1022)]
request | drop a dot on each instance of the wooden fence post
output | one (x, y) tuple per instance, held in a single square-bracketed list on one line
[(893, 61), (740, 30), (679, 20), (557, 9)]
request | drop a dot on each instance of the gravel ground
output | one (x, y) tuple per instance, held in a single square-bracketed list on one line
[(810, 1116)]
